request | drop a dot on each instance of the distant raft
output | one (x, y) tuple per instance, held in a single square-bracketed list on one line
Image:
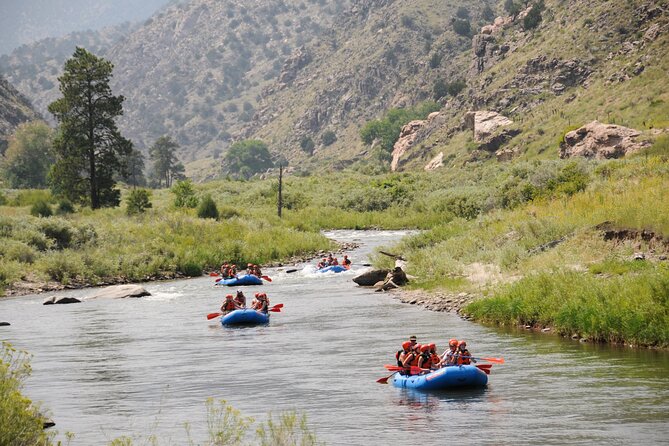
[(333, 268), (452, 377), (246, 316), (245, 279)]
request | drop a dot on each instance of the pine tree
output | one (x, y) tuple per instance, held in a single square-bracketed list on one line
[(166, 165), (89, 148)]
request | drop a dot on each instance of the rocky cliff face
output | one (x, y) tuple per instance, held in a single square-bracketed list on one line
[(14, 110)]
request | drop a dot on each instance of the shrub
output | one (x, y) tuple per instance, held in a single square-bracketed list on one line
[(227, 212), (31, 196), (3, 199), (307, 145), (21, 422), (190, 268), (435, 60), (41, 209), (59, 231), (455, 87), (65, 206), (462, 27), (139, 200), (184, 194), (207, 208), (328, 138), (533, 17), (19, 251)]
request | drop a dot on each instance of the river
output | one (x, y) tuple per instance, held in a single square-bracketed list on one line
[(140, 367)]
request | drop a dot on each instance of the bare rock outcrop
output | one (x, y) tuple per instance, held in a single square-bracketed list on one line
[(601, 141), (484, 123), (408, 136), (297, 60), (371, 277), (435, 163), (120, 292)]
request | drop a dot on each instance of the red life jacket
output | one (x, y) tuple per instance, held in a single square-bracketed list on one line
[(466, 360), (228, 305)]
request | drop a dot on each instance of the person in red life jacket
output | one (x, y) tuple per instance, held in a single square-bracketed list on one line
[(449, 356), (411, 359), (224, 270), (249, 269), (346, 262), (434, 356), (257, 271), (233, 270), (322, 263), (413, 340), (401, 355), (335, 261), (260, 303), (240, 299), (463, 355), (228, 304), (425, 358)]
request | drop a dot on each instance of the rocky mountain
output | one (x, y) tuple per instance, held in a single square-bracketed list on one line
[(210, 72), (27, 21), (34, 68), (14, 110)]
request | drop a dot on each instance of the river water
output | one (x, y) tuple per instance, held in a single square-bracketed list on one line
[(140, 367)]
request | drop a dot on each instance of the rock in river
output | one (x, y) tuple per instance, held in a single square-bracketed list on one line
[(120, 292)]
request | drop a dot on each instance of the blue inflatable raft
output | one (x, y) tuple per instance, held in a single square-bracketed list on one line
[(245, 279), (333, 268), (444, 378), (246, 316)]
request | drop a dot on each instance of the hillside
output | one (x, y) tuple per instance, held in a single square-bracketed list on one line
[(27, 21), (14, 109), (208, 73)]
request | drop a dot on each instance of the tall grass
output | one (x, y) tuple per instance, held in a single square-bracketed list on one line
[(629, 308)]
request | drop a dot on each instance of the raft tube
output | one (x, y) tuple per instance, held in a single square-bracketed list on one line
[(333, 268), (445, 378), (245, 279), (246, 316)]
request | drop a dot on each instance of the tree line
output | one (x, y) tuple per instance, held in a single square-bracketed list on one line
[(85, 157)]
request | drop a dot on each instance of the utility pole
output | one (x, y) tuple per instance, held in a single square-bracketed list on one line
[(280, 200)]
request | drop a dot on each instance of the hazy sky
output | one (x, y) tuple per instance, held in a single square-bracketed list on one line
[(25, 21)]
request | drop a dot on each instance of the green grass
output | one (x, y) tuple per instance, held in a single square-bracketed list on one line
[(624, 308)]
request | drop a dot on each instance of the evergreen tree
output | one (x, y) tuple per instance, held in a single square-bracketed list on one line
[(89, 148), (248, 157), (135, 169), (166, 165)]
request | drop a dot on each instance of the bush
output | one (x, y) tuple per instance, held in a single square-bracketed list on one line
[(3, 199), (59, 231), (139, 200), (462, 27), (328, 138), (307, 145), (65, 206), (533, 17), (31, 196), (227, 212), (41, 209), (184, 194), (207, 208), (21, 422)]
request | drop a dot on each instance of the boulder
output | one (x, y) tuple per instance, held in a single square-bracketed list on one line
[(601, 141), (484, 123), (60, 300), (120, 292), (408, 136), (435, 163), (371, 277)]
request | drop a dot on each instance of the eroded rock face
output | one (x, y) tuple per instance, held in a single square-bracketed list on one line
[(601, 141), (408, 136), (120, 292), (484, 123)]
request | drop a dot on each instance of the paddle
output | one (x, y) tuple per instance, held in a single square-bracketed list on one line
[(275, 309), (267, 278), (384, 380), (213, 274), (291, 271)]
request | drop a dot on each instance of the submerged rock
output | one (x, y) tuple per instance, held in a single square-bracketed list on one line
[(60, 300)]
